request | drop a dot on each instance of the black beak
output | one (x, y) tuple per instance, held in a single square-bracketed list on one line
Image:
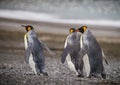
[(23, 25)]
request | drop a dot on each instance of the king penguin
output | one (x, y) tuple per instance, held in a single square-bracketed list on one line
[(34, 55), (71, 53), (91, 53)]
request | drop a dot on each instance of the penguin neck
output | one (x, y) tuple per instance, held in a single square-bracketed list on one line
[(29, 31), (84, 35), (32, 33), (85, 31)]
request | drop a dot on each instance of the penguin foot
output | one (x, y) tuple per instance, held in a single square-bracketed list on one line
[(45, 73), (93, 75), (96, 76), (80, 75), (89, 76), (103, 75)]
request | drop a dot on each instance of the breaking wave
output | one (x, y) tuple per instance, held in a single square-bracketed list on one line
[(44, 17)]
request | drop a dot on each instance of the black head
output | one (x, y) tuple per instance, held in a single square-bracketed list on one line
[(82, 29), (71, 30), (28, 27)]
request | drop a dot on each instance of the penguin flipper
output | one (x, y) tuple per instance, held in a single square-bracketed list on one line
[(82, 52), (64, 54), (47, 48), (27, 54), (106, 61)]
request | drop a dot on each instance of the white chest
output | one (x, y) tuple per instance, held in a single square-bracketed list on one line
[(81, 41), (25, 41)]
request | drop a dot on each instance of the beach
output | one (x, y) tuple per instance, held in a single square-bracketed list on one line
[(14, 70)]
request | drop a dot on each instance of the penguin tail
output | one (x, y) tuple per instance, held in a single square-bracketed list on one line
[(106, 61)]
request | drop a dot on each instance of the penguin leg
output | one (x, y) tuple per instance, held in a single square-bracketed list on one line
[(41, 70), (96, 75), (80, 73), (90, 75), (79, 69), (44, 73), (103, 74), (37, 70)]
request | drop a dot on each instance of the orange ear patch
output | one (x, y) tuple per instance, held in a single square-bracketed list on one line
[(77, 30), (84, 28), (71, 30), (29, 28)]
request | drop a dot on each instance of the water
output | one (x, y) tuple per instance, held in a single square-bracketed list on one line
[(90, 12), (68, 9)]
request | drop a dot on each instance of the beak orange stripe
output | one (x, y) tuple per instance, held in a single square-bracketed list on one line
[(77, 30)]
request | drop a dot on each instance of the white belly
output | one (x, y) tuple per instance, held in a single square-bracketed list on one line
[(86, 64), (32, 64), (70, 64)]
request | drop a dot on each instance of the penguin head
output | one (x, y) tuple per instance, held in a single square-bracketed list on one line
[(71, 30), (82, 29), (28, 27)]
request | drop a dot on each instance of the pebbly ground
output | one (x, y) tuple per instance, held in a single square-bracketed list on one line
[(14, 70)]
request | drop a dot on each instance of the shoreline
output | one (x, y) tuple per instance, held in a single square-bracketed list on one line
[(102, 33), (14, 70)]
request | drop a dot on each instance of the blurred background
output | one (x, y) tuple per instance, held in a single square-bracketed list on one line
[(63, 14), (67, 9), (52, 20)]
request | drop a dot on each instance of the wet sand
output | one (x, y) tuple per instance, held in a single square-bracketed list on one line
[(14, 70)]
